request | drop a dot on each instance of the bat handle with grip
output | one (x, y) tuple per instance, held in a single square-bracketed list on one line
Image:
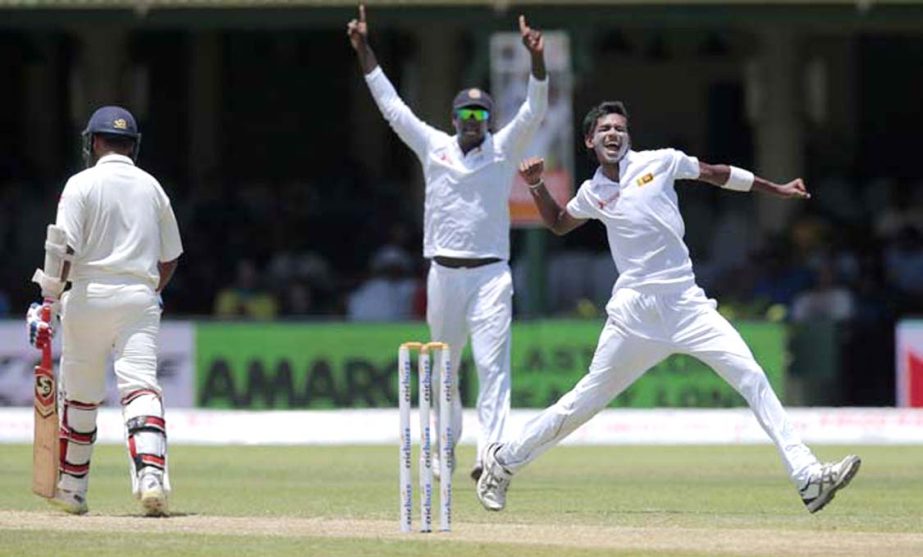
[(46, 348)]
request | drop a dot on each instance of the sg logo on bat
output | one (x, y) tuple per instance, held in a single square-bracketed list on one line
[(44, 395)]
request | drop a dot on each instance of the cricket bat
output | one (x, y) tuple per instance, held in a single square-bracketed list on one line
[(45, 444)]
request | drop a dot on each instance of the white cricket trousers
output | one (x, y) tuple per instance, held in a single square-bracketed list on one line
[(478, 302), (110, 316), (642, 330)]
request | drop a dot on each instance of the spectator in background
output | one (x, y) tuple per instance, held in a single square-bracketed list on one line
[(389, 294), (296, 299), (245, 297), (903, 259), (737, 288), (871, 297), (733, 239), (781, 278), (904, 210), (303, 281), (826, 300), (809, 235)]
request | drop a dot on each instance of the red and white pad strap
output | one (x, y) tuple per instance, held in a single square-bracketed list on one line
[(77, 435), (146, 434)]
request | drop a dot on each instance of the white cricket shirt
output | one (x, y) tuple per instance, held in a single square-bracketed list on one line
[(119, 221), (466, 211), (642, 219)]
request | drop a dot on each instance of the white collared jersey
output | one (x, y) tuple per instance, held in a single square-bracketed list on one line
[(466, 211), (642, 218), (119, 221)]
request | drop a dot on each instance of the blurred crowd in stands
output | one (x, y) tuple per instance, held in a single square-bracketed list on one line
[(344, 249)]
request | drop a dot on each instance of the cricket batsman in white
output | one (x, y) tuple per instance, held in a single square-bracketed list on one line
[(466, 223), (117, 242), (656, 309)]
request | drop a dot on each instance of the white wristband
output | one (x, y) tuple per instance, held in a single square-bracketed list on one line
[(537, 185), (739, 180)]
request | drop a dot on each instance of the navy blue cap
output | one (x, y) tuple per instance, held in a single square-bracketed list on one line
[(113, 120), (473, 97)]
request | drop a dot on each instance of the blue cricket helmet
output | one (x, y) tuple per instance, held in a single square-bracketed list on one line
[(110, 120)]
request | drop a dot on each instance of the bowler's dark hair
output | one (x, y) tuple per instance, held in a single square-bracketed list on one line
[(597, 112)]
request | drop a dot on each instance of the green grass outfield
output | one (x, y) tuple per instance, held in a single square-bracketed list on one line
[(342, 501)]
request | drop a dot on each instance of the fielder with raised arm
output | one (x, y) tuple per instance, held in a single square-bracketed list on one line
[(466, 223), (118, 236), (656, 309)]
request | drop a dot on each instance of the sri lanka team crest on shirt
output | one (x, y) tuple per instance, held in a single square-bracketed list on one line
[(644, 180)]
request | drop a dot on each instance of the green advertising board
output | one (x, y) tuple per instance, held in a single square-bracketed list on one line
[(348, 365)]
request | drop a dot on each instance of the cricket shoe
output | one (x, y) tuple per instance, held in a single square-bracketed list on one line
[(494, 480), (72, 502), (153, 496), (823, 485)]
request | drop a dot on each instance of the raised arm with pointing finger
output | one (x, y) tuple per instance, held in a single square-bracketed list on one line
[(466, 223), (412, 131), (358, 32)]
